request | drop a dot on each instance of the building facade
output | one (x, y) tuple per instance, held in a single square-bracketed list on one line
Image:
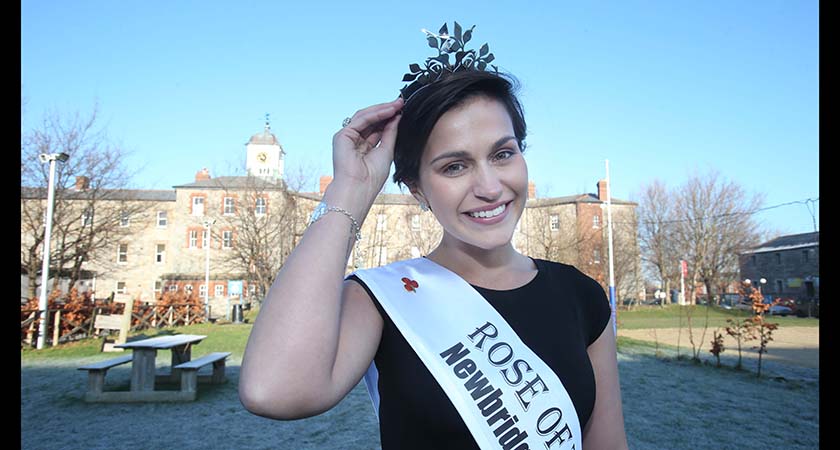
[(240, 229), (789, 264)]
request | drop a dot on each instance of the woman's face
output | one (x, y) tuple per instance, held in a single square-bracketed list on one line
[(473, 175)]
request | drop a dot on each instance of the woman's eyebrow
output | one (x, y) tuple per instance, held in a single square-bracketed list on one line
[(464, 154), (456, 154)]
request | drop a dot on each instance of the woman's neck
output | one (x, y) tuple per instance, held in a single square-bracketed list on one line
[(477, 264)]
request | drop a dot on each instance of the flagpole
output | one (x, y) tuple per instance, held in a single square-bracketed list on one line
[(610, 248)]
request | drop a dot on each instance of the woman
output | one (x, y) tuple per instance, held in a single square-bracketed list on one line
[(537, 343)]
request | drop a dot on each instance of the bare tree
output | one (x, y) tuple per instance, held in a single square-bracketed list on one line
[(90, 197), (715, 223), (657, 221), (551, 237), (626, 258), (259, 237)]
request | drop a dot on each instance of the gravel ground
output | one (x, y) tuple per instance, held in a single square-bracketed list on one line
[(668, 405)]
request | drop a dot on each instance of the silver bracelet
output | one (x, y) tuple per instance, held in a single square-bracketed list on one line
[(322, 209)]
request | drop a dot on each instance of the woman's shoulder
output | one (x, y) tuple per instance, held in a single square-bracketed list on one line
[(559, 269)]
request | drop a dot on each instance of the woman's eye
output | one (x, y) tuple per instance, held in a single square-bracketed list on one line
[(504, 154), (453, 168)]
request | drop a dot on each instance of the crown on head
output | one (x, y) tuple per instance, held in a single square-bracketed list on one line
[(436, 66)]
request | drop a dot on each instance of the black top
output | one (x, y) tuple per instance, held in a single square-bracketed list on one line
[(558, 315)]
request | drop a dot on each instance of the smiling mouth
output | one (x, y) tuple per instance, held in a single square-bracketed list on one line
[(491, 213)]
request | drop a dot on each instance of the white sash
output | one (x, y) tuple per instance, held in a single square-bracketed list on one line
[(507, 396)]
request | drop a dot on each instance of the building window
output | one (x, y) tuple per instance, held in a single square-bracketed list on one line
[(415, 252), (220, 290), (193, 239), (753, 259), (124, 220), (121, 287), (202, 290), (229, 206), (415, 222), (596, 221), (596, 256), (122, 253), (161, 219), (173, 287), (779, 286), (260, 209), (160, 253), (554, 222), (804, 255), (205, 236), (158, 286), (778, 258), (188, 289), (87, 217), (227, 239), (198, 206), (380, 222)]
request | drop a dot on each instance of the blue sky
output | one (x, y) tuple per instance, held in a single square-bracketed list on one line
[(663, 89)]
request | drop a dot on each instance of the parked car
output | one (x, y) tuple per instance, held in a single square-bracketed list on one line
[(780, 310)]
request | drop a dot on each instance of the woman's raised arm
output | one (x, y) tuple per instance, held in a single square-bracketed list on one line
[(316, 334)]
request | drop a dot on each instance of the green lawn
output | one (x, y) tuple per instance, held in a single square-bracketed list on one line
[(669, 317)]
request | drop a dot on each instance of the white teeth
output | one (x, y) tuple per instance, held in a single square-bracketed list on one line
[(488, 214)]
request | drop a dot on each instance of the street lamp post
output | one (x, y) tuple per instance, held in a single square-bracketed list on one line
[(207, 224), (45, 266)]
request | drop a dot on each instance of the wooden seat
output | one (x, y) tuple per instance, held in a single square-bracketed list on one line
[(118, 322), (189, 370), (96, 375)]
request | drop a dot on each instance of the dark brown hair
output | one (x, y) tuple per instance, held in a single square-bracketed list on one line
[(423, 109)]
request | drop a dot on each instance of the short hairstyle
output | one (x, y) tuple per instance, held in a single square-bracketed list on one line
[(423, 109)]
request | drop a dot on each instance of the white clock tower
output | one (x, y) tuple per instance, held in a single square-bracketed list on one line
[(265, 155)]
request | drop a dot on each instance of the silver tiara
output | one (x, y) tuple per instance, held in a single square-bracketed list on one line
[(436, 66)]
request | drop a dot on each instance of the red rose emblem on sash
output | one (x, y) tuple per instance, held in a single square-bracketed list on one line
[(410, 285)]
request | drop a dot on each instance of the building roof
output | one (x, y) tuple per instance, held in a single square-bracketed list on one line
[(105, 194), (789, 242), (235, 183), (266, 137), (579, 198)]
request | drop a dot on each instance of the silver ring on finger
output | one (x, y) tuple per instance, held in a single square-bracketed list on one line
[(345, 122)]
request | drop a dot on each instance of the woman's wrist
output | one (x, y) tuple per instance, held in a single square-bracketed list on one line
[(351, 197)]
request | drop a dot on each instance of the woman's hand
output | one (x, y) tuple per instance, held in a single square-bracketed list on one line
[(364, 149)]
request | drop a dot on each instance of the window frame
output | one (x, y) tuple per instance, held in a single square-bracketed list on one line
[(160, 255), (122, 256)]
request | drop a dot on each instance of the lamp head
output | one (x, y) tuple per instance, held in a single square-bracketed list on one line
[(43, 157)]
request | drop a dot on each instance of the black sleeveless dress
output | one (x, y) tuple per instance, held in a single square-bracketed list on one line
[(558, 314)]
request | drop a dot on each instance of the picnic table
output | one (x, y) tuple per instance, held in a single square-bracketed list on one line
[(143, 371)]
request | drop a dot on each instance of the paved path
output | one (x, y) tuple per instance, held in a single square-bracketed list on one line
[(798, 346)]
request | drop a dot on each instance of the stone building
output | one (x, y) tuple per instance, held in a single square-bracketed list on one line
[(253, 222), (790, 264)]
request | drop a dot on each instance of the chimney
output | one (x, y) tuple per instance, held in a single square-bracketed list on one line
[(532, 190), (82, 183), (602, 190), (325, 181), (202, 175)]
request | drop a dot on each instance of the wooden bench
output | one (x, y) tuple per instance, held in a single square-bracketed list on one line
[(96, 376), (118, 322), (189, 371)]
